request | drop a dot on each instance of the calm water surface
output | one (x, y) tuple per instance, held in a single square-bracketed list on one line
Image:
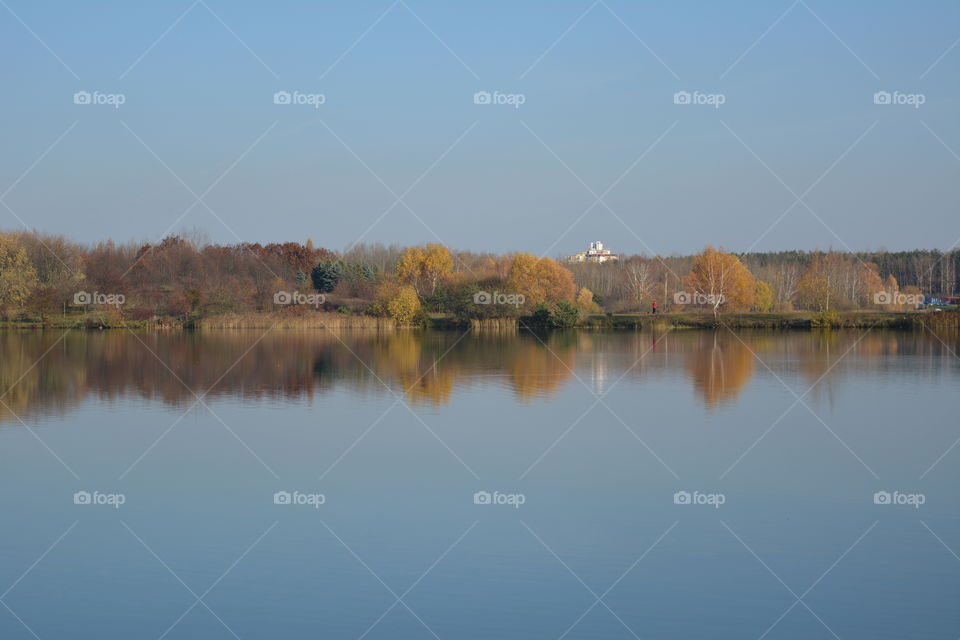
[(680, 485)]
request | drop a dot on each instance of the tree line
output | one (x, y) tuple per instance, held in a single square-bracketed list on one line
[(42, 276)]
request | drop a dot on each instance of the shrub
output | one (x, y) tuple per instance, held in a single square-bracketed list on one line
[(826, 319), (564, 315), (541, 316), (405, 307), (465, 301)]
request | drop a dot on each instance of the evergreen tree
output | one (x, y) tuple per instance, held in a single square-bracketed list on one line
[(325, 276)]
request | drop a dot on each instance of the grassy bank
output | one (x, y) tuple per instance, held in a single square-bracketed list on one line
[(624, 321), (264, 320), (847, 320), (312, 320), (785, 321)]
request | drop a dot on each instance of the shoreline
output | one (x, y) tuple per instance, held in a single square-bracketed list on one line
[(795, 321)]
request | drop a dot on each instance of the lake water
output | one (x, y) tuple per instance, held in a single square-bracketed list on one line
[(461, 486)]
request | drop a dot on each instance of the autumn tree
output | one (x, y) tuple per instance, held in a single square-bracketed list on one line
[(585, 303), (410, 267), (437, 263), (814, 291), (721, 279), (18, 277), (59, 269), (891, 285), (834, 281), (540, 280), (891, 289), (423, 268), (404, 308), (762, 297)]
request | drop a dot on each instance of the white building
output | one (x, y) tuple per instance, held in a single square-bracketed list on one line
[(596, 253)]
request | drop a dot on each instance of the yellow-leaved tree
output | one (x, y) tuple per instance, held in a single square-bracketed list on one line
[(814, 292), (404, 307), (762, 297), (719, 279), (410, 267), (818, 287), (585, 301), (540, 280), (18, 277), (424, 268), (437, 263)]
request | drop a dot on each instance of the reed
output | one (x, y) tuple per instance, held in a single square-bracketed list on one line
[(942, 320), (496, 325), (318, 320)]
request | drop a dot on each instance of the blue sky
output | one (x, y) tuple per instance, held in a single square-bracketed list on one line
[(597, 80)]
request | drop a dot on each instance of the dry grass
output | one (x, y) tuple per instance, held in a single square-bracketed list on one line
[(318, 320), (494, 324)]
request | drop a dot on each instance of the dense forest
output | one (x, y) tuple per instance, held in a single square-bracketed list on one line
[(45, 276)]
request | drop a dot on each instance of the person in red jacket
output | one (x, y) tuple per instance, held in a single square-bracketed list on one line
[(653, 308)]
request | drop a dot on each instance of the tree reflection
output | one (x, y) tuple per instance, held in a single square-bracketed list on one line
[(720, 366), (49, 373)]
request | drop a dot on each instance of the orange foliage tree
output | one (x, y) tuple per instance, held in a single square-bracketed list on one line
[(720, 279), (540, 280)]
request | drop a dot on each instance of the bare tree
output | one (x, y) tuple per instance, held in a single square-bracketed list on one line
[(638, 279)]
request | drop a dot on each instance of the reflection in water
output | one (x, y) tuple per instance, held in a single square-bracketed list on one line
[(540, 367), (720, 366), (50, 373)]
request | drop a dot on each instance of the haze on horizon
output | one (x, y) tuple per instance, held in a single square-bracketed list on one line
[(593, 139)]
